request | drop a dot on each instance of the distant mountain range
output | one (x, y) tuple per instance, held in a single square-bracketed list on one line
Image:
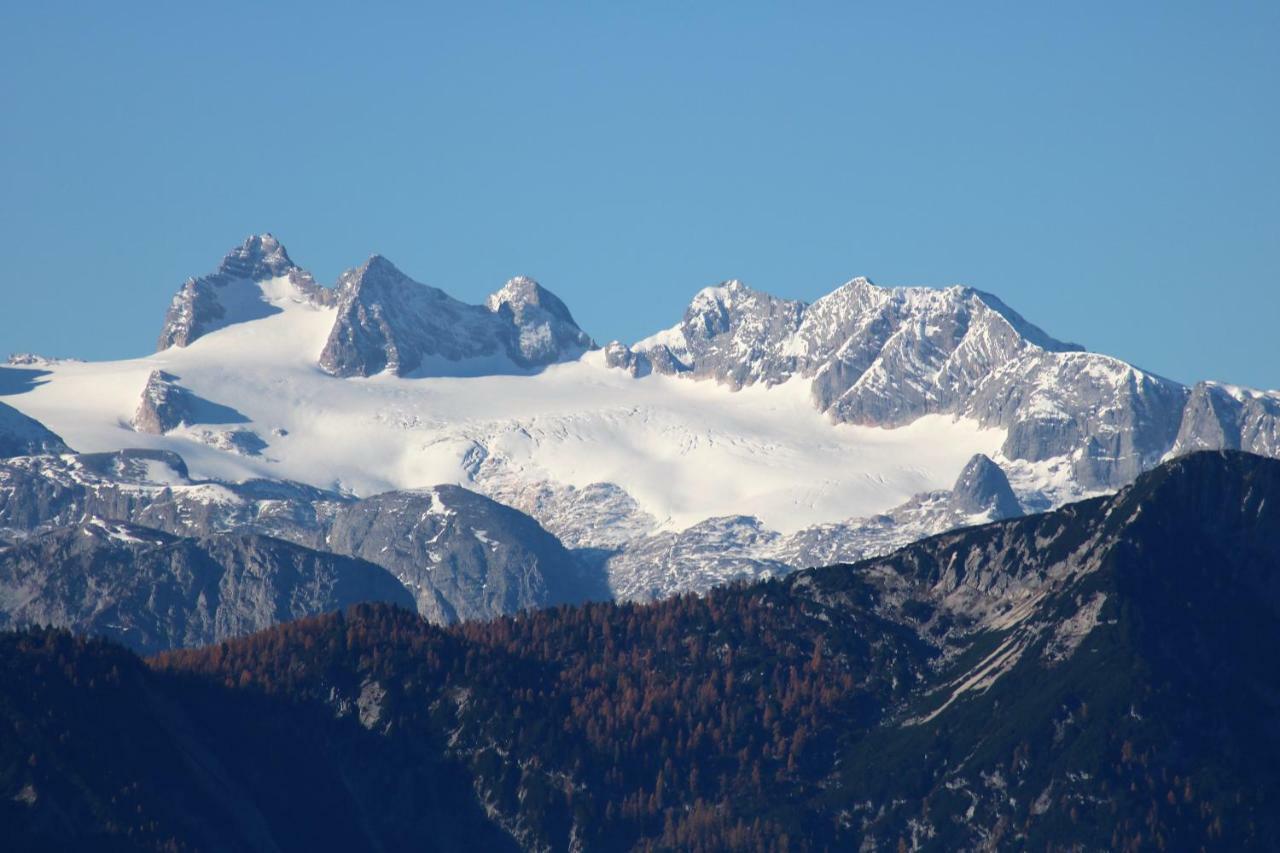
[(1096, 677), (492, 458)]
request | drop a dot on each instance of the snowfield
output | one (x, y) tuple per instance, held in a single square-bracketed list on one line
[(684, 450)]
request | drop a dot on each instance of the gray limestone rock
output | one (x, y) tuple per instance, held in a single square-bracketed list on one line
[(887, 356), (619, 355), (388, 322), (542, 329), (460, 554), (983, 488), (463, 555), (153, 591), (713, 552), (23, 436), (165, 405), (231, 294), (1225, 417)]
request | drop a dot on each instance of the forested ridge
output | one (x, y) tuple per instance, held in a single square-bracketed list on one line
[(822, 711)]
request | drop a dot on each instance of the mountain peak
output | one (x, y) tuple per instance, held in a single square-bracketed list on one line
[(259, 256), (983, 487), (375, 276), (1026, 329), (520, 289), (861, 282), (231, 294), (388, 321), (380, 265), (522, 295), (723, 293)]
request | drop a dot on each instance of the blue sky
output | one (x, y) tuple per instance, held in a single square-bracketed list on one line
[(1110, 170)]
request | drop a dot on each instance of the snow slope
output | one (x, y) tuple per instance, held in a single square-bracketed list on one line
[(685, 451), (757, 435)]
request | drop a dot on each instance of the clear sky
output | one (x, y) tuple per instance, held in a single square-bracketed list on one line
[(1111, 170)]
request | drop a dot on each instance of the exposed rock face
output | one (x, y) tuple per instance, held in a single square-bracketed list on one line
[(1097, 677), (153, 591), (232, 295), (385, 320), (1225, 417), (730, 333), (165, 405), (887, 356), (23, 436), (621, 356), (543, 329), (878, 355), (1076, 423), (983, 488), (152, 488), (1114, 420), (711, 553), (462, 555), (389, 322)]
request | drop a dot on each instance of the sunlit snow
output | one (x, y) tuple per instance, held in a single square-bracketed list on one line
[(685, 450)]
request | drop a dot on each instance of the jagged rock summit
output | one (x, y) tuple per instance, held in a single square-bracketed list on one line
[(389, 322), (232, 294), (1227, 417), (385, 321), (983, 488), (756, 435), (545, 330), (880, 356), (259, 256)]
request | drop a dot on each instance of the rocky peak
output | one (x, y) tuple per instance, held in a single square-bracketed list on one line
[(983, 487), (166, 405), (233, 293), (731, 333), (886, 356), (1227, 417), (377, 271), (619, 355), (719, 309), (543, 329), (389, 322), (1024, 328), (521, 293), (260, 256), (162, 405)]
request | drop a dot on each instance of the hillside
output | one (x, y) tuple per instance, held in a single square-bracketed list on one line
[(1098, 675)]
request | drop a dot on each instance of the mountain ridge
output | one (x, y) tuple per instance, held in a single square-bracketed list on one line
[(757, 436), (964, 692)]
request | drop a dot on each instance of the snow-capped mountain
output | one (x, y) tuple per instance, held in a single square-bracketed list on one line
[(888, 356), (389, 323), (233, 293), (755, 436)]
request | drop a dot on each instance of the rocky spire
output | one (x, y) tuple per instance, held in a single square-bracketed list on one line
[(983, 487)]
